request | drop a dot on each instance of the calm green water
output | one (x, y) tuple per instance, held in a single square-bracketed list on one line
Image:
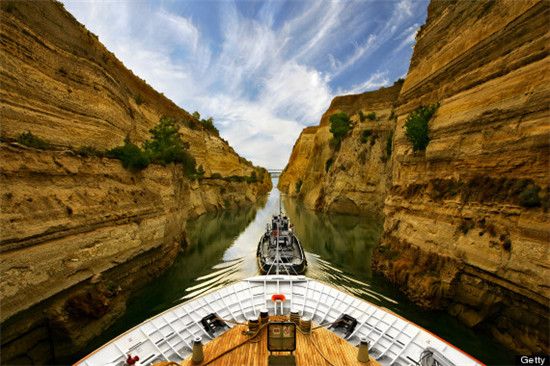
[(222, 250)]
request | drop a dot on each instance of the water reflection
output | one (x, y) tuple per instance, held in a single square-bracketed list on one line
[(343, 240)]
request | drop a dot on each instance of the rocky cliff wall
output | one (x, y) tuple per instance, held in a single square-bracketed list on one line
[(353, 178), (79, 233), (467, 227), (60, 83)]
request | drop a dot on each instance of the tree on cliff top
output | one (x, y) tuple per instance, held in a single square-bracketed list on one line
[(166, 146), (416, 126)]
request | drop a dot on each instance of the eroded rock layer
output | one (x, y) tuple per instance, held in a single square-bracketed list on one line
[(79, 233), (353, 178)]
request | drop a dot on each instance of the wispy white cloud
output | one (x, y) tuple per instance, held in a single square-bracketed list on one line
[(374, 81), (263, 80)]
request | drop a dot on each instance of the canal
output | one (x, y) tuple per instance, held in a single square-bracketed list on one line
[(222, 250)]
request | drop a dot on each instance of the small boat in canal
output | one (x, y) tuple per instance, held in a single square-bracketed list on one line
[(279, 250), (278, 320)]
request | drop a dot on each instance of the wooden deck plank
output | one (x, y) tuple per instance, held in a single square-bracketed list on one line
[(309, 352)]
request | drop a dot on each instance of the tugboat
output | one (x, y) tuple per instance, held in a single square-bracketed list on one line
[(279, 249)]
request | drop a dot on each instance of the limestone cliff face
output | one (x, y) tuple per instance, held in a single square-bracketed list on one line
[(60, 83), (466, 222), (355, 177), (80, 233), (459, 231)]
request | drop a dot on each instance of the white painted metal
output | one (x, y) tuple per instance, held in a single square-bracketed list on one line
[(393, 340)]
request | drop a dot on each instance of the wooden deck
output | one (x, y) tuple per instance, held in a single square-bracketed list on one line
[(311, 350)]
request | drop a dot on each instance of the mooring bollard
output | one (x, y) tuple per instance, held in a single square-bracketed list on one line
[(295, 316), (305, 324), (197, 353), (363, 352), (264, 316)]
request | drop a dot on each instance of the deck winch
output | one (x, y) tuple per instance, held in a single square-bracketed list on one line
[(345, 325), (213, 324)]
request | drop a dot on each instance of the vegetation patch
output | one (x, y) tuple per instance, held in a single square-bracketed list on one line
[(328, 164), (483, 189), (362, 116), (298, 186), (363, 156), (389, 142), (416, 126), (208, 123), (340, 125), (466, 225), (392, 116), (138, 99), (31, 140), (371, 116), (529, 196), (132, 157), (90, 151), (166, 146), (365, 136), (8, 6)]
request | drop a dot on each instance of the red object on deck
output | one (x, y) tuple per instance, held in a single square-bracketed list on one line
[(132, 360), (279, 297)]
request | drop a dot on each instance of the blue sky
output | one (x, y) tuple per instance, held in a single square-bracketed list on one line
[(263, 70)]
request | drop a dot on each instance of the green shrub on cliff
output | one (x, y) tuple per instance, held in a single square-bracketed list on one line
[(361, 116), (371, 116), (207, 123), (298, 186), (131, 156), (28, 139), (365, 136), (529, 197), (166, 146), (389, 144), (90, 151), (138, 99), (340, 125), (416, 126), (328, 164)]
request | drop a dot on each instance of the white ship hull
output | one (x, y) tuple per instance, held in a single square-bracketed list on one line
[(169, 336)]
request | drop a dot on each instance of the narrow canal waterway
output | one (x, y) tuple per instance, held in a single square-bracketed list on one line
[(222, 250)]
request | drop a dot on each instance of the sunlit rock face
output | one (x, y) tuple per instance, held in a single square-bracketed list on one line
[(466, 222), (80, 233), (355, 177), (459, 232)]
